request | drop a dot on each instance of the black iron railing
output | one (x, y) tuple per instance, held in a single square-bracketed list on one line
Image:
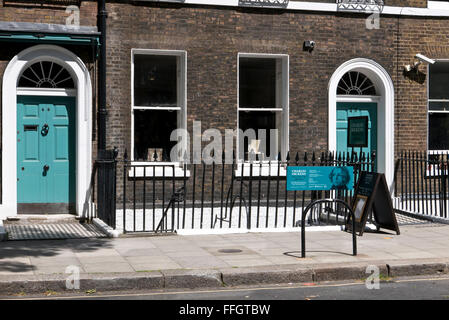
[(421, 183), (164, 197)]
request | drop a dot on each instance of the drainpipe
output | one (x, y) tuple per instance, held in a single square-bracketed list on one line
[(101, 115), (104, 196)]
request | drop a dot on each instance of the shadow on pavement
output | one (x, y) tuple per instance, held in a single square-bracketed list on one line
[(12, 253), (297, 254)]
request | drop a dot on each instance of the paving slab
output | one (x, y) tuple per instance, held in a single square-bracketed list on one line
[(202, 261)]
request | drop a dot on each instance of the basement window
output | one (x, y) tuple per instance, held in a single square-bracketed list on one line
[(438, 107), (158, 103), (262, 107)]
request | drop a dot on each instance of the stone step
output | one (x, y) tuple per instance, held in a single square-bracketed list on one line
[(52, 231)]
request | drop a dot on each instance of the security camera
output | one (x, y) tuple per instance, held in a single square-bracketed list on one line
[(423, 58)]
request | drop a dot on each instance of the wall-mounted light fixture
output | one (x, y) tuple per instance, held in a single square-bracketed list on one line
[(309, 45)]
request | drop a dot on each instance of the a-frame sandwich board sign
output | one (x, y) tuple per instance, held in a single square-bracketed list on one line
[(371, 195)]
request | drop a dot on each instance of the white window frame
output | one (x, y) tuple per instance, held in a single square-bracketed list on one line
[(281, 98), (433, 152), (181, 107)]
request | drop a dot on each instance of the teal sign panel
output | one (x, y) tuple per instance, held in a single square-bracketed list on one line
[(46, 149), (320, 178), (358, 132)]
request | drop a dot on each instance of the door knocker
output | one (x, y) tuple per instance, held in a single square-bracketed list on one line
[(44, 130)]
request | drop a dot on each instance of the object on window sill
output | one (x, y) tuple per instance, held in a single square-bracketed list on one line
[(154, 154)]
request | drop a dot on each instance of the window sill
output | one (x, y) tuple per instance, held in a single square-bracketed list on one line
[(157, 170), (261, 169)]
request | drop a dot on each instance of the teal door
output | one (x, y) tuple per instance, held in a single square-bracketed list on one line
[(46, 147), (356, 109)]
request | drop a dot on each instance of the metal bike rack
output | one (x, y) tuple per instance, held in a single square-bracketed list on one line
[(303, 225)]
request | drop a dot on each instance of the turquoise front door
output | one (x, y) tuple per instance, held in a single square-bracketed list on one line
[(46, 147), (356, 109)]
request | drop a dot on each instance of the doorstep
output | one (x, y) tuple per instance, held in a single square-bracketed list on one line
[(49, 227)]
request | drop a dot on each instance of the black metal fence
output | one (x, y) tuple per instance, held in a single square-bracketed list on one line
[(163, 197), (421, 184)]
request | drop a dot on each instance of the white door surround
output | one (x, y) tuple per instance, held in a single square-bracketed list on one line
[(81, 77), (385, 110)]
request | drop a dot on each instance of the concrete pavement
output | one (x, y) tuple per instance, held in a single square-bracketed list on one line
[(219, 260)]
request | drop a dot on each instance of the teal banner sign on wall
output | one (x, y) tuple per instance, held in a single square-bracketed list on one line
[(358, 132), (320, 178)]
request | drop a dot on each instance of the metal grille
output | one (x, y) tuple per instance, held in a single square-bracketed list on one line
[(360, 5), (264, 3), (163, 198)]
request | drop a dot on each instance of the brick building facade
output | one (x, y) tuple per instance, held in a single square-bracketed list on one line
[(206, 53)]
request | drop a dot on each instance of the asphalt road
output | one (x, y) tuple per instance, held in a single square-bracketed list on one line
[(432, 288)]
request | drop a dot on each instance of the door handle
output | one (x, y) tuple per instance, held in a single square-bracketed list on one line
[(44, 130), (46, 168)]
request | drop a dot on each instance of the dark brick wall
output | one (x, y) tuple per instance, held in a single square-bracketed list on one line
[(50, 12), (406, 3), (212, 38), (394, 3)]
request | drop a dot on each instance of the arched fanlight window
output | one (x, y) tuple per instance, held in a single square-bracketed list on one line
[(356, 83), (46, 74)]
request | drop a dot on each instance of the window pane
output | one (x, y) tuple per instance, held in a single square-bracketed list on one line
[(258, 120), (152, 129), (438, 106), (439, 131), (155, 81), (257, 83), (439, 80)]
